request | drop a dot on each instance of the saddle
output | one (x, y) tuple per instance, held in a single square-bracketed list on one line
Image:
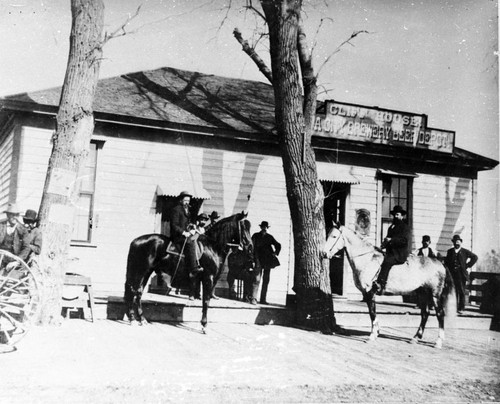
[(176, 248)]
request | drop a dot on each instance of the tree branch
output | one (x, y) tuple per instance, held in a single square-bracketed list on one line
[(347, 41), (121, 31), (308, 77), (253, 55)]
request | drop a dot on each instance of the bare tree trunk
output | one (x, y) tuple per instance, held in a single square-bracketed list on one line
[(74, 127), (294, 112)]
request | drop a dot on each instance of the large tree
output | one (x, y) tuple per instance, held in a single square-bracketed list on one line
[(295, 90), (71, 140)]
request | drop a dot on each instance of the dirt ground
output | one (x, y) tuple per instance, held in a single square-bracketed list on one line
[(112, 362)]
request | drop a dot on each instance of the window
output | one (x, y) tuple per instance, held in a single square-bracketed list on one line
[(82, 226), (395, 191)]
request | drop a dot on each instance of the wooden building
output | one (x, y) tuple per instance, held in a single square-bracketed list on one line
[(163, 131)]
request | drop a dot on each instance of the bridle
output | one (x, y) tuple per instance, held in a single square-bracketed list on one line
[(241, 246), (352, 256)]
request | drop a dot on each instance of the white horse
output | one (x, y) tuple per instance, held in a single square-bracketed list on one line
[(428, 277)]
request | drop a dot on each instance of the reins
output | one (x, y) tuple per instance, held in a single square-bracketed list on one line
[(358, 255)]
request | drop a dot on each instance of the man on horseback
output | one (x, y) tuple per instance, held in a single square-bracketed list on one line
[(180, 231), (397, 247)]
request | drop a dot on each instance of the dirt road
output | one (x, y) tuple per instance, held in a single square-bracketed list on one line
[(108, 362)]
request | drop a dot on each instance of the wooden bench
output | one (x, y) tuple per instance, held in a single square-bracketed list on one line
[(84, 298)]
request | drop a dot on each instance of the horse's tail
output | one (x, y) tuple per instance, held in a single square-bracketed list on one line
[(448, 296)]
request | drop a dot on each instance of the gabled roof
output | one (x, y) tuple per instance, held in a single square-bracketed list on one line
[(178, 96), (179, 99)]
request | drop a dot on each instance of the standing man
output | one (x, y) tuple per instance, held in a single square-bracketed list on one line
[(34, 236), (397, 247), (13, 235), (459, 260), (181, 231), (266, 251), (425, 250)]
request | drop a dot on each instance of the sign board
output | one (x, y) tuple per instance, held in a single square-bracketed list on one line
[(381, 126)]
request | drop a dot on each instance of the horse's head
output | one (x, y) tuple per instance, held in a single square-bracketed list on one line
[(334, 242), (232, 231)]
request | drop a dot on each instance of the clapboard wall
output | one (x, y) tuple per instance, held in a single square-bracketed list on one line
[(133, 162)]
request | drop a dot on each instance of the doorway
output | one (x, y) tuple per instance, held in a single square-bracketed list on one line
[(334, 210)]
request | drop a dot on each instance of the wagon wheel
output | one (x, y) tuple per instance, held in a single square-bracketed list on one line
[(20, 299)]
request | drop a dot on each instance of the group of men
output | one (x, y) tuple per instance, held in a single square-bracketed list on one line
[(397, 247), (183, 229), (21, 239)]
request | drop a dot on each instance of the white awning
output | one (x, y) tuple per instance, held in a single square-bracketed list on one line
[(335, 173), (381, 171), (175, 187)]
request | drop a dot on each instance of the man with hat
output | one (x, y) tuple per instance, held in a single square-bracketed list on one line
[(266, 250), (459, 260), (397, 246), (34, 236), (425, 250), (13, 235), (214, 216), (181, 230)]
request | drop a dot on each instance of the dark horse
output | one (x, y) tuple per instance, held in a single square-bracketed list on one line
[(148, 254)]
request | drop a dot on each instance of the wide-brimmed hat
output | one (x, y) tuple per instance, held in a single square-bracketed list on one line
[(398, 209), (264, 224), (184, 194), (214, 215), (456, 237), (12, 208), (426, 238), (30, 215)]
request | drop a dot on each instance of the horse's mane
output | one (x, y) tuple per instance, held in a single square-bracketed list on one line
[(227, 231), (362, 241)]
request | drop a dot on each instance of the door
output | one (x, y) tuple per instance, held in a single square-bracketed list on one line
[(334, 209)]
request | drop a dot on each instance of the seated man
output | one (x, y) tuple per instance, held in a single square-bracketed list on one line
[(13, 236), (397, 247), (181, 232)]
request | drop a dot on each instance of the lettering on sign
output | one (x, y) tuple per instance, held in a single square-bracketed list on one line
[(374, 125)]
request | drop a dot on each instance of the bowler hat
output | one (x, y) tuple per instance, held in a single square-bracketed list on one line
[(185, 193), (398, 209), (456, 237), (264, 224), (30, 215), (12, 208), (203, 216), (426, 238), (214, 215)]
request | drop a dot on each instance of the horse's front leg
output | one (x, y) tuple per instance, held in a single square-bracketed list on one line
[(208, 289), (372, 309), (440, 313)]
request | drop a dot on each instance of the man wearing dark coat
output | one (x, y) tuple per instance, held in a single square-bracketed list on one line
[(397, 245), (458, 260), (13, 235), (426, 250), (181, 230), (34, 236), (266, 250)]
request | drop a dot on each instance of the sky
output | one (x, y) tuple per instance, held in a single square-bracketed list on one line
[(433, 57)]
